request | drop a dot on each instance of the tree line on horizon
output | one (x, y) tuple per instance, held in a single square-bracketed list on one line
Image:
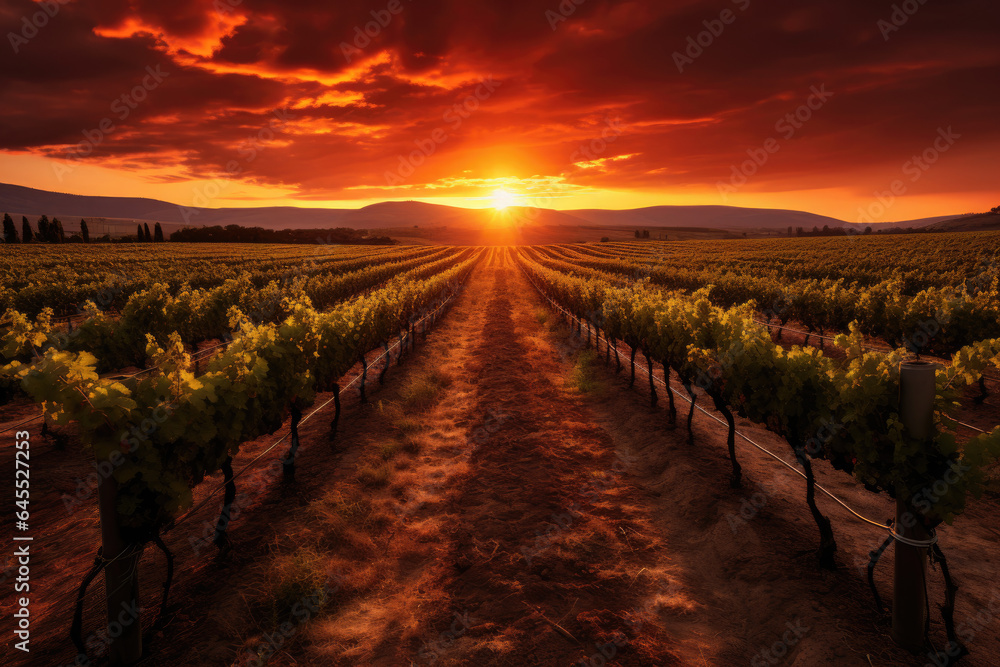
[(240, 234), (51, 231)]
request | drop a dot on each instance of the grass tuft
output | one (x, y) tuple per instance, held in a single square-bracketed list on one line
[(398, 419), (300, 573), (374, 476), (585, 377), (411, 446), (388, 450), (423, 390)]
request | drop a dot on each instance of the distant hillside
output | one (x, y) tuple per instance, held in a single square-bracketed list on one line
[(718, 217), (969, 223), (20, 200), (121, 213)]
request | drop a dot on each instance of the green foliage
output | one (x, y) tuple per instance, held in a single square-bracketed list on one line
[(585, 378), (165, 430), (9, 230), (846, 411), (421, 391), (960, 307), (66, 277)]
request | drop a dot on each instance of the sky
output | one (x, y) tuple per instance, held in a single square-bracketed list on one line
[(858, 109)]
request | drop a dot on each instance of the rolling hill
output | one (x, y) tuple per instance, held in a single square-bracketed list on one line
[(121, 214)]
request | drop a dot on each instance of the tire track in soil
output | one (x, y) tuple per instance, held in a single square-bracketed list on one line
[(544, 532)]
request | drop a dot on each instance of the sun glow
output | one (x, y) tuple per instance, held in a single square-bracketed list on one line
[(502, 199)]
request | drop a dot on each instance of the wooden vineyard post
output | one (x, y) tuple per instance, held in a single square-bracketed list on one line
[(909, 598), (222, 525), (336, 413), (121, 581), (653, 398), (388, 359), (364, 377)]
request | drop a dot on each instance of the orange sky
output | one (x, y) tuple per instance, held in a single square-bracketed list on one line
[(613, 105)]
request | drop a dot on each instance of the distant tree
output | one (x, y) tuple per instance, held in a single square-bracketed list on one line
[(798, 231), (26, 234), (868, 230), (645, 233), (158, 233), (826, 229), (147, 237), (995, 209), (789, 231), (84, 231), (744, 234), (237, 234), (815, 229), (139, 236), (605, 239), (43, 228), (9, 230), (637, 234), (56, 230)]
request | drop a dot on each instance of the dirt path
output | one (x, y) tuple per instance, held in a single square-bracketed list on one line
[(513, 541)]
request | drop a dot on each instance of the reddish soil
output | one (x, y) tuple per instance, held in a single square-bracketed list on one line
[(505, 517)]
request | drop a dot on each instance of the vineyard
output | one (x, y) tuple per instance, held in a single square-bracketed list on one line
[(641, 453)]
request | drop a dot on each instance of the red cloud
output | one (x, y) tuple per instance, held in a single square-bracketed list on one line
[(366, 84)]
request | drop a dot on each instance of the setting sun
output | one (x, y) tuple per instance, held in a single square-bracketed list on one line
[(502, 199)]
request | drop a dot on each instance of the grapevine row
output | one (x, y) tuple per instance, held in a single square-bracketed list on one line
[(38, 277), (950, 260), (197, 315), (936, 320), (845, 412), (246, 392)]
